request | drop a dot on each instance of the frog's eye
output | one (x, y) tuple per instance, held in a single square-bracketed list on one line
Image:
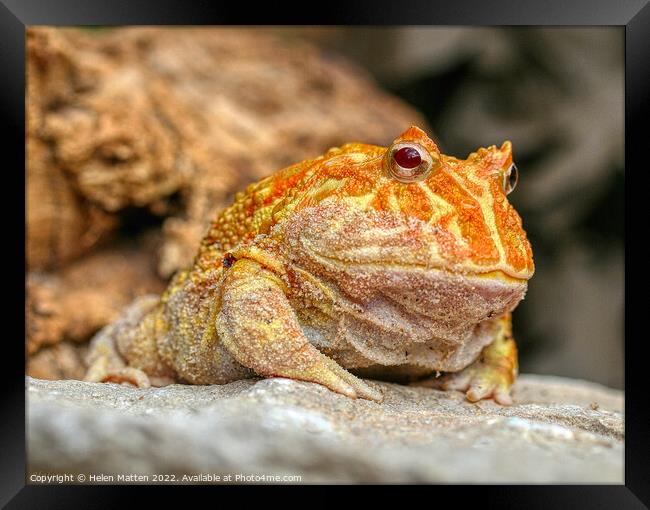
[(409, 162), (510, 178)]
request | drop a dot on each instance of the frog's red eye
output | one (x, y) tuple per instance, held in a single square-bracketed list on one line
[(407, 157), (510, 179), (408, 162)]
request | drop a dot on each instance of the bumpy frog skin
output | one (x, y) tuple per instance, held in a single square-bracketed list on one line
[(344, 264)]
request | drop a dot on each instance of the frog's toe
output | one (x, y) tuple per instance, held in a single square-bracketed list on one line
[(478, 382), (502, 396), (478, 391), (456, 382), (489, 382), (126, 375), (330, 374), (364, 390)]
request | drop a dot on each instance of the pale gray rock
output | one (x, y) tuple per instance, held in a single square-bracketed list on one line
[(559, 430)]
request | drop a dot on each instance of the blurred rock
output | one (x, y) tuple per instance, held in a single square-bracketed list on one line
[(76, 301), (558, 431), (64, 360)]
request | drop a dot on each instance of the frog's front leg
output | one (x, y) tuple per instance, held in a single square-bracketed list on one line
[(260, 330), (492, 374)]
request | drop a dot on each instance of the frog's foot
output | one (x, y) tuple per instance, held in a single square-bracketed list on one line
[(329, 373), (105, 364), (99, 372), (490, 376), (128, 375), (479, 381)]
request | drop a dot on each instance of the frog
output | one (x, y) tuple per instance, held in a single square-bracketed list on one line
[(365, 263)]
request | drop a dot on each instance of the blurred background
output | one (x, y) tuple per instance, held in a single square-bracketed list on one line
[(556, 93)]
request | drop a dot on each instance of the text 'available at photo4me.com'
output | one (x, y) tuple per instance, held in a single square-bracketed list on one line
[(103, 478)]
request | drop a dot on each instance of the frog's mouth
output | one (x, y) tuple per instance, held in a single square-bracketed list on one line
[(366, 260), (361, 241), (453, 301), (505, 275)]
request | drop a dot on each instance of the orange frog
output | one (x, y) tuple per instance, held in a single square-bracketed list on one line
[(367, 262)]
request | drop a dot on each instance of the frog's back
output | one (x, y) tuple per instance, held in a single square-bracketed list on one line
[(262, 204)]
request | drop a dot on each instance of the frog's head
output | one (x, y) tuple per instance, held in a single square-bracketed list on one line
[(410, 205)]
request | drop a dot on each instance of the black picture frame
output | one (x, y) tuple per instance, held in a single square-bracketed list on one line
[(16, 15)]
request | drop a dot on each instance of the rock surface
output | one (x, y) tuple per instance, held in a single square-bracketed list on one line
[(559, 430)]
